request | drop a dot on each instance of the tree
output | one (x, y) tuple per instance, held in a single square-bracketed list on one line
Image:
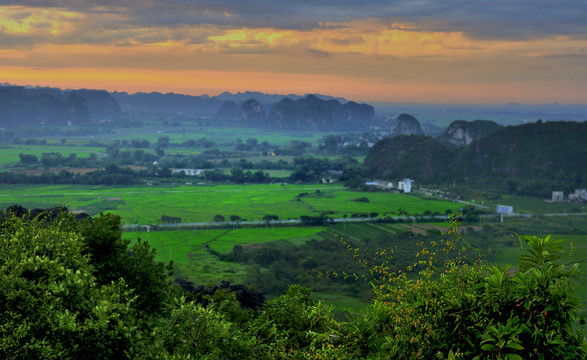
[(192, 331), (237, 175), (51, 306), (219, 218), (149, 279), (163, 141), (473, 311), (114, 259), (331, 142), (292, 316), (164, 172), (28, 158), (259, 177), (269, 217), (51, 159), (160, 151)]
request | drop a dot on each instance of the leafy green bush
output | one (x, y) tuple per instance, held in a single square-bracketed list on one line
[(289, 321), (51, 306), (474, 311), (193, 331), (72, 289)]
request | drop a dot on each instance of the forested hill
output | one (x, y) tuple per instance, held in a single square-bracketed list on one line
[(419, 157), (533, 159), (462, 133), (529, 157)]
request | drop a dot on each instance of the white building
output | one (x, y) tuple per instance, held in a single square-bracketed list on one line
[(188, 172), (381, 184), (405, 185), (557, 196), (578, 195)]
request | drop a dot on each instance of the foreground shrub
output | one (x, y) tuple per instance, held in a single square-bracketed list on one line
[(290, 321), (474, 311), (195, 332), (51, 306)]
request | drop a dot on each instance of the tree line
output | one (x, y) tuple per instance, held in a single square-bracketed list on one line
[(304, 170)]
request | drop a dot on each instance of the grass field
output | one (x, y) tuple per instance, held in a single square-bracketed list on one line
[(188, 248), (278, 173), (533, 205), (220, 135), (145, 205), (9, 154)]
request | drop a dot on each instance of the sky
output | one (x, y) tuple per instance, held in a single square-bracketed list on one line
[(425, 51)]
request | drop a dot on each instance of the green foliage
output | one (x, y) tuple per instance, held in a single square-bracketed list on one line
[(419, 157), (113, 259), (474, 311), (51, 306), (149, 279), (502, 342), (533, 157), (530, 159), (72, 289), (289, 321), (192, 331), (105, 245)]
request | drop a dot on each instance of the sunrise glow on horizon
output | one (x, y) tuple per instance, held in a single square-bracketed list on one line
[(398, 52)]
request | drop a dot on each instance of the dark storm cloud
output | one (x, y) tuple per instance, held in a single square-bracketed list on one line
[(479, 19)]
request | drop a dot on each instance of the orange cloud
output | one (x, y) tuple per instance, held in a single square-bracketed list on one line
[(365, 60), (36, 21)]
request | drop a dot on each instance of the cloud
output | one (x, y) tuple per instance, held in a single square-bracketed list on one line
[(501, 19), (409, 41)]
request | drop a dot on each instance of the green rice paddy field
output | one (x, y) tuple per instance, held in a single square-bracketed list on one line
[(9, 154), (222, 135), (145, 205), (534, 205), (188, 248)]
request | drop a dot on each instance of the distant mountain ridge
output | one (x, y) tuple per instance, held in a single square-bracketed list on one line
[(22, 108), (172, 103), (29, 106), (529, 159), (314, 113), (419, 157)]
